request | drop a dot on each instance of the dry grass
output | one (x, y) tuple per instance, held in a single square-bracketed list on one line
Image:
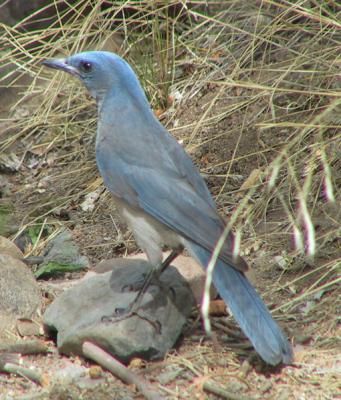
[(262, 81)]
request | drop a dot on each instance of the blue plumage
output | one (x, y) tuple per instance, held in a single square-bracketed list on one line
[(162, 195)]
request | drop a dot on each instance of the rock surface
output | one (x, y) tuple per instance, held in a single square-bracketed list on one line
[(77, 315), (8, 247), (19, 293), (63, 249), (187, 267)]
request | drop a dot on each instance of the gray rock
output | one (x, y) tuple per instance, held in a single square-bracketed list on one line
[(188, 268), (63, 249), (8, 247), (19, 292), (77, 315)]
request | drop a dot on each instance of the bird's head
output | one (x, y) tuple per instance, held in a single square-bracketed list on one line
[(99, 71)]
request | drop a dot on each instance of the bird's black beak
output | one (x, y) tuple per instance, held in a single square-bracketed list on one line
[(61, 64)]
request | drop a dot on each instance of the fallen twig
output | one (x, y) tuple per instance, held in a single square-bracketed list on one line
[(24, 347), (234, 333), (42, 395), (103, 358), (8, 363), (8, 358), (211, 387), (33, 260)]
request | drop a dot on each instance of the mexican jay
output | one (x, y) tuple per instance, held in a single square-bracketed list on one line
[(161, 194)]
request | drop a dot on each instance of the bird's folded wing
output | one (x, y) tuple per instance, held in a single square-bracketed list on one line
[(172, 200)]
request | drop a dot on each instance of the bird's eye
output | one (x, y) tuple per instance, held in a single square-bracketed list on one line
[(85, 66)]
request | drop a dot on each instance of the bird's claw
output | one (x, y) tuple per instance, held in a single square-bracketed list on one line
[(121, 315)]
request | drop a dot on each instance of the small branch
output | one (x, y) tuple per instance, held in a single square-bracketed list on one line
[(8, 358), (25, 347), (22, 371), (33, 260), (42, 395), (103, 358), (223, 393)]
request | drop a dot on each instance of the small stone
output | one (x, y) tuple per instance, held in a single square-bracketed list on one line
[(63, 249), (95, 372), (137, 363), (62, 255), (88, 204), (27, 327)]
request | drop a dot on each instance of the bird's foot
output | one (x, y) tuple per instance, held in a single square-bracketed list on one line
[(119, 314), (131, 311)]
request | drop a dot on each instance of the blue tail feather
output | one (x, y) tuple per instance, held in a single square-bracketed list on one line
[(248, 309)]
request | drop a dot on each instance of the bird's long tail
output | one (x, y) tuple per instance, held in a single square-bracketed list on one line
[(247, 308)]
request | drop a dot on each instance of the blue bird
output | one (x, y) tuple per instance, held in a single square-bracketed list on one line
[(161, 194)]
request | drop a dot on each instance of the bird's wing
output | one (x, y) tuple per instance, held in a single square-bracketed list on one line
[(169, 198)]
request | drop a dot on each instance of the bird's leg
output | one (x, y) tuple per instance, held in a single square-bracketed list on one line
[(154, 272), (168, 261)]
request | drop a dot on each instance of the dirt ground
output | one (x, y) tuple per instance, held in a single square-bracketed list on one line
[(229, 363), (228, 149)]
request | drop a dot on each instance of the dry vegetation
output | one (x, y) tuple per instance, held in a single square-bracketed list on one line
[(252, 90)]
